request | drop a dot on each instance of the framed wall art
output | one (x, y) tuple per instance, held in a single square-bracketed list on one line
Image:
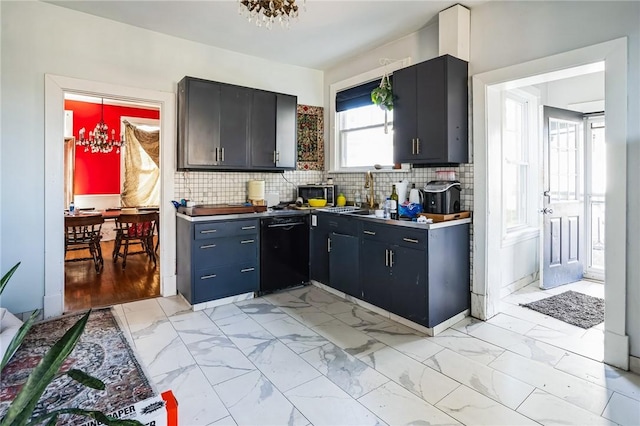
[(310, 138)]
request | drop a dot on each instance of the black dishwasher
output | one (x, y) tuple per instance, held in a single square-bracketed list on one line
[(284, 252)]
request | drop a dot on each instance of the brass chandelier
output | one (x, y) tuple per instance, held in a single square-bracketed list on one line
[(99, 140), (267, 12)]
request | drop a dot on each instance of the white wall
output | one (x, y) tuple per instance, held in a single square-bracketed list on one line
[(563, 93), (39, 38)]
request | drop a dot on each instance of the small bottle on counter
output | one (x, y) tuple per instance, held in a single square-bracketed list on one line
[(393, 208), (72, 208), (357, 201), (387, 207)]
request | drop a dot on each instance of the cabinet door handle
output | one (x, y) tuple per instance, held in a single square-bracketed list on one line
[(222, 149), (216, 155), (277, 156), (206, 277), (247, 241), (274, 157), (207, 246), (247, 269), (208, 231), (417, 147), (369, 232), (413, 146), (245, 228), (328, 245), (391, 258), (386, 257), (411, 240)]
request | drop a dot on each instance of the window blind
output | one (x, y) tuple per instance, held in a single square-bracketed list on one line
[(357, 96)]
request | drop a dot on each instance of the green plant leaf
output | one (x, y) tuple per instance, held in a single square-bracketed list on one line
[(18, 338), (7, 276), (24, 403), (86, 379)]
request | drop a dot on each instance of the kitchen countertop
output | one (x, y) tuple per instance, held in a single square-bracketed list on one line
[(268, 213), (293, 212)]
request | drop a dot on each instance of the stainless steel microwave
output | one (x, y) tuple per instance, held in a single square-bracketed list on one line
[(328, 192)]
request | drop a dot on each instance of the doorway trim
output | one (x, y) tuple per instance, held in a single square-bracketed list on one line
[(55, 86), (485, 296)]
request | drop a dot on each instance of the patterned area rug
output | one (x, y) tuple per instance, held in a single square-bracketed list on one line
[(571, 307), (102, 351)]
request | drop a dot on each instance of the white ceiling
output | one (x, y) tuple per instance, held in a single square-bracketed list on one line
[(326, 33)]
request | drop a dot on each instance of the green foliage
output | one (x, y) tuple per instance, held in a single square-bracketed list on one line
[(383, 94), (22, 331), (21, 408)]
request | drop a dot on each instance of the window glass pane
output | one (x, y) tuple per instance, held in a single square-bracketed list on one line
[(362, 148), (515, 141), (362, 139)]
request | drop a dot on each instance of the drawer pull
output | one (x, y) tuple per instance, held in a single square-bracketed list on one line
[(411, 240), (206, 277), (369, 232), (208, 231), (247, 269), (386, 257), (247, 241), (246, 228), (207, 246), (391, 258)]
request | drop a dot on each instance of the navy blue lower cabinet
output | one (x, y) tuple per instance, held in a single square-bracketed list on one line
[(343, 263), (217, 259), (319, 252), (376, 275), (409, 284), (419, 274)]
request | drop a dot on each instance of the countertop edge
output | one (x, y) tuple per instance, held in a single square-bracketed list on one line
[(238, 216)]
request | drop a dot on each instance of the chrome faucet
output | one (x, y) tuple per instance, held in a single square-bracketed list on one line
[(368, 184)]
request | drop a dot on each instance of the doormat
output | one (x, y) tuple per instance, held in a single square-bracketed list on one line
[(571, 307), (102, 351)]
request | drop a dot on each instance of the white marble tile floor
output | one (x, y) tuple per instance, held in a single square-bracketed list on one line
[(307, 357)]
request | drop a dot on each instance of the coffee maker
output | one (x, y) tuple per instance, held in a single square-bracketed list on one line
[(442, 197)]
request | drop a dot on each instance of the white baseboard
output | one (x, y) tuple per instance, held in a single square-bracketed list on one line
[(220, 302), (634, 364), (418, 327), (616, 350)]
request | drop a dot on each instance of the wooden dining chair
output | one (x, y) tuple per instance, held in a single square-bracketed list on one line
[(82, 232), (137, 228)]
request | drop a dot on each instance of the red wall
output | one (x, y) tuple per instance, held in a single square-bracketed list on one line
[(99, 173)]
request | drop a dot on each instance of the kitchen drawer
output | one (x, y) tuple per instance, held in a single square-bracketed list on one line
[(338, 224), (224, 281), (224, 229), (223, 251), (395, 235)]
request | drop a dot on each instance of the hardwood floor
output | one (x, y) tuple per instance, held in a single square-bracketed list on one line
[(85, 289)]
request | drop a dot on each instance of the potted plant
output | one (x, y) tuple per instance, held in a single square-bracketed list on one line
[(21, 408), (382, 96)]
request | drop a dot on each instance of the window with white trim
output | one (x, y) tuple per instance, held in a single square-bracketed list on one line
[(519, 159), (357, 139)]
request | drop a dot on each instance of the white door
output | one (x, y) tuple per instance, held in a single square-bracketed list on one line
[(563, 200)]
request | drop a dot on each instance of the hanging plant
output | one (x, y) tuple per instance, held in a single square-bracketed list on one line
[(383, 97)]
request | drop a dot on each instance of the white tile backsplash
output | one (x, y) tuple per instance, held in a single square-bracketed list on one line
[(231, 187)]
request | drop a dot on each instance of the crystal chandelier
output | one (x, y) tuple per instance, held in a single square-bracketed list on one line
[(266, 12), (98, 140)]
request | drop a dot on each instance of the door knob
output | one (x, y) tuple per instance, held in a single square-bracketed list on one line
[(546, 210)]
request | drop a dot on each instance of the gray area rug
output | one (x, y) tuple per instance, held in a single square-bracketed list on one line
[(571, 307)]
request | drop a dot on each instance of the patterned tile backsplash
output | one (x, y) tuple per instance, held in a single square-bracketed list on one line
[(231, 187)]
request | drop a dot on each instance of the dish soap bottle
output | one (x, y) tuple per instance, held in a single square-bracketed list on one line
[(341, 201)]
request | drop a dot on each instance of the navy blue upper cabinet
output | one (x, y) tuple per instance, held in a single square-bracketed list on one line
[(430, 115), (227, 127)]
